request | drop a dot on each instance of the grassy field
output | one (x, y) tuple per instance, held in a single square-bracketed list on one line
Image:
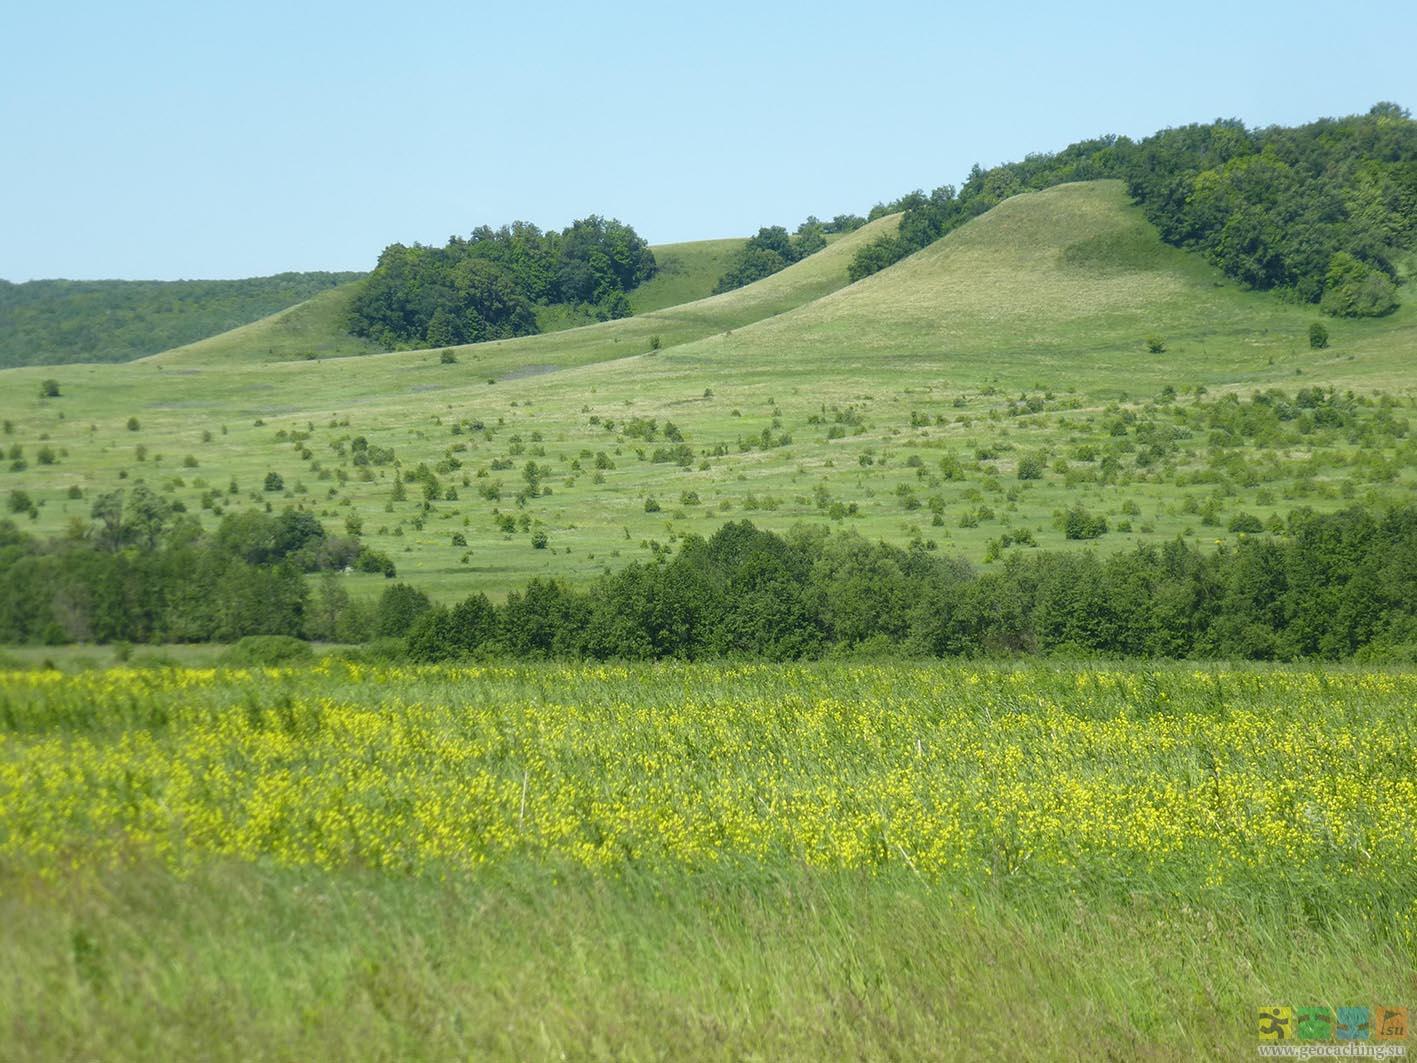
[(901, 407), (671, 862)]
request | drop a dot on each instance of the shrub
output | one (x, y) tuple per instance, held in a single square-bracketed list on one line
[(448, 357), (539, 540), (1318, 336), (1247, 523), (1030, 468), (267, 651), (49, 389), (651, 506), (1155, 344), (1078, 523), (133, 424), (1355, 289), (369, 560), (274, 482)]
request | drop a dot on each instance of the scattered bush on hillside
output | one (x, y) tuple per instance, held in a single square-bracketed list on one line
[(1078, 523), (1318, 336)]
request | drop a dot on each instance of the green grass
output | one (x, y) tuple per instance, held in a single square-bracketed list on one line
[(1052, 294), (1052, 861), (245, 961), (312, 329), (687, 273)]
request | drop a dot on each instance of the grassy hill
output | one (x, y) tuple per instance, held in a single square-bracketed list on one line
[(53, 322), (316, 328), (904, 406)]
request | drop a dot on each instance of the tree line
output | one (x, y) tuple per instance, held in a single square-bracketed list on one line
[(490, 284), (142, 571), (1317, 212), (1334, 587)]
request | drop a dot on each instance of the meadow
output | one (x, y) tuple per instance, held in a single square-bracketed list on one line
[(699, 860), (902, 406)]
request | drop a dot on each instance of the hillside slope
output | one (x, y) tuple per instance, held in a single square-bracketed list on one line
[(801, 283), (57, 322), (963, 399), (1062, 287)]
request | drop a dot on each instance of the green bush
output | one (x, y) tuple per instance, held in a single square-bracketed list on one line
[(1078, 523), (267, 651), (1318, 336), (1355, 289), (1247, 523), (1030, 468)]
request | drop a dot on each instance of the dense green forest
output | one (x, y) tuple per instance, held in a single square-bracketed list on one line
[(1333, 586), (54, 322), (489, 285), (1319, 212)]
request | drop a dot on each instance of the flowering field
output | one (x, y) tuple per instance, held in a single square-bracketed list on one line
[(1203, 777), (1182, 789)]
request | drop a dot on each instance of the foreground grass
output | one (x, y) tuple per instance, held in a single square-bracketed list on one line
[(698, 861), (249, 961)]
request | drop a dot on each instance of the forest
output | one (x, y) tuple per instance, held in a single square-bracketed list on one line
[(1320, 212), (490, 284), (51, 322)]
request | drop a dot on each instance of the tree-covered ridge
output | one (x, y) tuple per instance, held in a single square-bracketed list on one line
[(54, 322), (488, 285), (1319, 212)]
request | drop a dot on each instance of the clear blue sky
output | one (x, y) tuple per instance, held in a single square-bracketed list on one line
[(170, 140)]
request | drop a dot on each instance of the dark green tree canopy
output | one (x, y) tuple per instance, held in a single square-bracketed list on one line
[(488, 285)]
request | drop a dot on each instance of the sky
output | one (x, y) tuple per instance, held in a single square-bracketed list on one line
[(207, 140)]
